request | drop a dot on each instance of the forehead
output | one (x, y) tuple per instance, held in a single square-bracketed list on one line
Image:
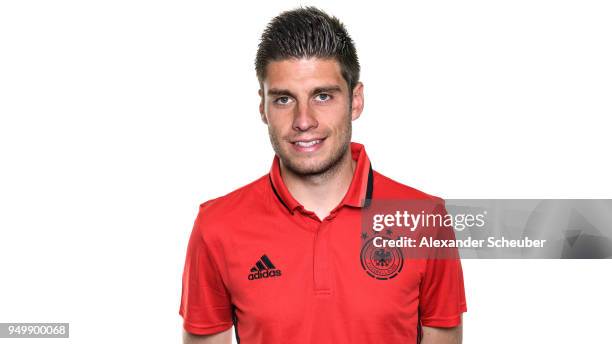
[(303, 73)]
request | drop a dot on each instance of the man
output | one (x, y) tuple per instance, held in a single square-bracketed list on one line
[(279, 259)]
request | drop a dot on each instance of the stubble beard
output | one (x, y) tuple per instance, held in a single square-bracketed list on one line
[(327, 167)]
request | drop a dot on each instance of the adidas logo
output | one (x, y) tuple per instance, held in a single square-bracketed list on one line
[(264, 269)]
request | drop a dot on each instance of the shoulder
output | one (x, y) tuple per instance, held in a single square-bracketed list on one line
[(217, 214), (387, 188)]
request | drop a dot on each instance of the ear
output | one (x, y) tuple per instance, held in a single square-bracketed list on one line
[(262, 112), (357, 101)]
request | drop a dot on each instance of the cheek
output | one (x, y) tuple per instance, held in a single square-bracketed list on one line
[(279, 122), (338, 118)]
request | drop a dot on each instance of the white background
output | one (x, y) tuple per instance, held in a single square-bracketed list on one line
[(118, 118)]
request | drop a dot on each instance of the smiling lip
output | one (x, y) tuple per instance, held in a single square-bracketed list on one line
[(307, 145)]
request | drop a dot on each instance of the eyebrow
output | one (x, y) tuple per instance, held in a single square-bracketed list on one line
[(327, 89), (280, 92), (323, 89)]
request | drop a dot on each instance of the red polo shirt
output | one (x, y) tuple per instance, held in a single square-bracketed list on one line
[(258, 260)]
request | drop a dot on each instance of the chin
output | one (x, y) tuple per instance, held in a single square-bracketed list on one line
[(314, 163), (308, 167), (311, 166)]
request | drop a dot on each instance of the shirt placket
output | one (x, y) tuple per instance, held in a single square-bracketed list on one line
[(321, 255), (322, 258), (321, 261)]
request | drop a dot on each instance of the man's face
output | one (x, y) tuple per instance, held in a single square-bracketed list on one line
[(306, 105)]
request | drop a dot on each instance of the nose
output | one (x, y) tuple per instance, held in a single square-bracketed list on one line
[(303, 118)]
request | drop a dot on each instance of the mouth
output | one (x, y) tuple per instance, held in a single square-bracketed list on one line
[(308, 145)]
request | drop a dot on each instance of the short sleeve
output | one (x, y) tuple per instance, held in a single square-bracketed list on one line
[(442, 292), (205, 302)]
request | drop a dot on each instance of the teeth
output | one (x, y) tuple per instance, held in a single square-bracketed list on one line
[(307, 143)]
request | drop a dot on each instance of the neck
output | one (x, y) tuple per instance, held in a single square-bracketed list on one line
[(321, 193)]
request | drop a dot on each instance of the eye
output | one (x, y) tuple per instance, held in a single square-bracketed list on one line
[(322, 97), (284, 100)]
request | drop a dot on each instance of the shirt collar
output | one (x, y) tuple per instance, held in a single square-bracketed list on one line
[(358, 195)]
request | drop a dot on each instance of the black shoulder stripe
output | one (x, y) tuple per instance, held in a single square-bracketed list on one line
[(277, 195), (369, 189)]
